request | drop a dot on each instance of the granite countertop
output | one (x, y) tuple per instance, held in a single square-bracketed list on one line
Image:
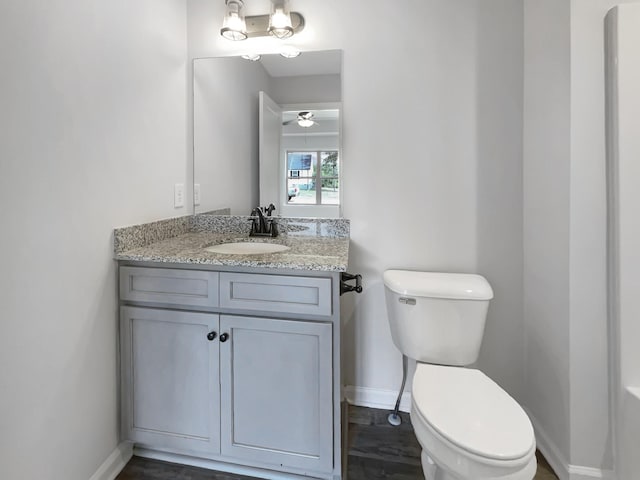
[(312, 246)]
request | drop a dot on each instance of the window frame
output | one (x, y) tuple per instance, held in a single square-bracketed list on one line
[(318, 178)]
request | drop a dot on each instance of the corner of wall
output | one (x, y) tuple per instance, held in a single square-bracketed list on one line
[(114, 463)]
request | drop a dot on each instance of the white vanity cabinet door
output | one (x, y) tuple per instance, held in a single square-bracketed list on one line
[(171, 393), (276, 384)]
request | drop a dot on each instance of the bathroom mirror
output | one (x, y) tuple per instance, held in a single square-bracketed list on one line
[(250, 146)]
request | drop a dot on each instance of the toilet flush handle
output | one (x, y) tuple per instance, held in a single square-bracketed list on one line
[(407, 300)]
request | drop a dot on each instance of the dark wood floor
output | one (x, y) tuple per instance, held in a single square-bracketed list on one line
[(376, 451)]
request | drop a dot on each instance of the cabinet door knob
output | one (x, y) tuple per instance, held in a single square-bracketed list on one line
[(211, 336), (224, 337)]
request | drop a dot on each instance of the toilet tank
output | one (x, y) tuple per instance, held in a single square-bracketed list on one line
[(437, 317)]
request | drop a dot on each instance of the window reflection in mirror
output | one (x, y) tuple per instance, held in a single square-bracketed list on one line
[(304, 177)]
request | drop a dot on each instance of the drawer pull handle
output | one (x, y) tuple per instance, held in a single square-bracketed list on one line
[(211, 336), (224, 337)]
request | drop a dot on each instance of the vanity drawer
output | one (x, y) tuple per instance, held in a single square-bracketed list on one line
[(276, 293), (168, 286)]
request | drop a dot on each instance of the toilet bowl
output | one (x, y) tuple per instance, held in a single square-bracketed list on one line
[(469, 428)]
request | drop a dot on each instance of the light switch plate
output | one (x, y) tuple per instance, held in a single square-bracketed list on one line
[(178, 195), (196, 194)]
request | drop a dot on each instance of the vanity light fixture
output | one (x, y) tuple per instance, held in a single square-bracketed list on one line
[(254, 57), (234, 26), (289, 52), (280, 23)]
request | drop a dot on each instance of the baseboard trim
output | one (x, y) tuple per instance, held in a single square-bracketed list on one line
[(217, 466), (577, 472), (550, 450), (377, 398), (563, 469), (114, 463)]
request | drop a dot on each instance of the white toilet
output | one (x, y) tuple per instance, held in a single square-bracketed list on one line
[(468, 427)]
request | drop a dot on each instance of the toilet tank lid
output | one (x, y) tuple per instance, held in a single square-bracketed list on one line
[(462, 286)]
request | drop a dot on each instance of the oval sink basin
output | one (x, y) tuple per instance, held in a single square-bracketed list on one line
[(246, 248)]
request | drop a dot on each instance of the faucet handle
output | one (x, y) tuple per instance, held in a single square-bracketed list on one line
[(268, 210), (272, 228), (254, 223)]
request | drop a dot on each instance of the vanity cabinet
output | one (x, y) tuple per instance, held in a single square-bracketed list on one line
[(170, 380), (276, 385), (235, 367)]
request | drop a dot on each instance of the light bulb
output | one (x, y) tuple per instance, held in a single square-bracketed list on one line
[(234, 26), (306, 123), (280, 20), (289, 52)]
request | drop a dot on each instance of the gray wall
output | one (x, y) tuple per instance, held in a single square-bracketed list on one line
[(92, 136), (226, 132), (546, 218)]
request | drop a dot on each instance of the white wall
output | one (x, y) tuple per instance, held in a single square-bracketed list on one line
[(567, 358), (590, 423), (92, 136), (307, 89), (546, 155), (623, 150), (499, 197), (226, 132), (589, 402), (432, 144)]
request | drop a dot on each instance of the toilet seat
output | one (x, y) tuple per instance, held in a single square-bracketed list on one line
[(467, 423), (471, 411), (460, 464)]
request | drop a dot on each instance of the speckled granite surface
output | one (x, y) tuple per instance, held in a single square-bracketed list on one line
[(127, 238), (314, 244), (318, 227), (303, 227)]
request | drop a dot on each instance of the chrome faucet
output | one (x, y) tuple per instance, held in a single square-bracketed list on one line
[(262, 227)]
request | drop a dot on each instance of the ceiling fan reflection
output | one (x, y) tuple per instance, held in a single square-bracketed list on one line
[(303, 119)]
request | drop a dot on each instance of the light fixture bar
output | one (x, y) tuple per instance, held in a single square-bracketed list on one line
[(280, 23), (258, 25)]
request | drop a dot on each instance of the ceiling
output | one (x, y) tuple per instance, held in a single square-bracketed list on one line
[(326, 62)]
